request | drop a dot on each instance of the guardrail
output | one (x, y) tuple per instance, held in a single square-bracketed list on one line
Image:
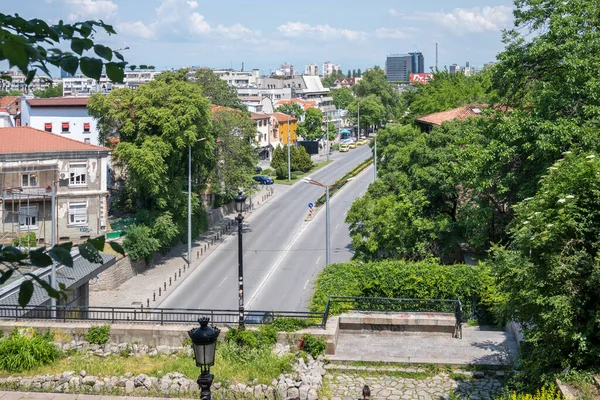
[(155, 315), (340, 304)]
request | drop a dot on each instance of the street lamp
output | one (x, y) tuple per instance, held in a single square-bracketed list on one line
[(240, 202), (204, 343), (189, 252)]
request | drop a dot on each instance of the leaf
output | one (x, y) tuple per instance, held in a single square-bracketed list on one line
[(79, 45), (46, 286), (25, 293), (115, 71), (6, 275), (67, 246), (14, 51), (103, 51), (119, 55), (89, 252), (12, 254), (117, 247), (61, 256), (39, 258), (97, 242), (85, 29), (91, 67), (30, 76)]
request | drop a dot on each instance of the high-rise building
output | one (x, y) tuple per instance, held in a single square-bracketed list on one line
[(398, 67), (417, 63), (454, 68), (311, 70), (329, 68)]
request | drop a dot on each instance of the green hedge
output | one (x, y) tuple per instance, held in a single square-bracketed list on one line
[(402, 279), (343, 180)]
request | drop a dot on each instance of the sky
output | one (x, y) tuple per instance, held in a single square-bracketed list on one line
[(264, 34)]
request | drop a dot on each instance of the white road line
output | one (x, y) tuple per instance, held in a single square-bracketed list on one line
[(306, 284), (222, 282), (318, 259), (336, 226)]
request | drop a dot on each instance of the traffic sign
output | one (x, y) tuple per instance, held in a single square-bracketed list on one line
[(310, 205)]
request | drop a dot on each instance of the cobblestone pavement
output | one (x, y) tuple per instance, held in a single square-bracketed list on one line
[(348, 386)]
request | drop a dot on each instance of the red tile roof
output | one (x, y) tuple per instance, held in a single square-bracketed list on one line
[(281, 117), (306, 104), (59, 102), (473, 110), (24, 139), (6, 101), (256, 116), (3, 110)]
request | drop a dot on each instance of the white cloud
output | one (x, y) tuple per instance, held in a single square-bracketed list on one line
[(473, 19), (192, 4), (135, 29), (324, 32), (199, 25), (393, 13), (91, 9), (389, 33)]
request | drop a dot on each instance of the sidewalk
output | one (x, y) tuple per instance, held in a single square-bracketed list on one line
[(143, 289)]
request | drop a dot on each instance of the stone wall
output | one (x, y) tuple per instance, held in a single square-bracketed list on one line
[(116, 275)]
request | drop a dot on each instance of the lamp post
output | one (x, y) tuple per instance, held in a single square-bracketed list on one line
[(189, 249), (240, 201), (327, 246), (375, 157), (204, 343), (289, 158)]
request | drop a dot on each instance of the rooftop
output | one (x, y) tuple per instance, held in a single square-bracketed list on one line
[(6, 101), (281, 117), (473, 110), (306, 104), (59, 102), (24, 139), (255, 116)]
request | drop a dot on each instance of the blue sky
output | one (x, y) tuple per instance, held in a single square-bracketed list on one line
[(263, 34)]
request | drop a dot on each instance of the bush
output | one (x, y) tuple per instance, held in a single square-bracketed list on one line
[(165, 230), (20, 352), (98, 334), (26, 240), (300, 159), (313, 345), (268, 172), (281, 172), (402, 279), (252, 339), (140, 244), (545, 393), (289, 324)]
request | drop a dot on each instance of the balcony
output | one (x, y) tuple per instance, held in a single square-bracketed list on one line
[(25, 193)]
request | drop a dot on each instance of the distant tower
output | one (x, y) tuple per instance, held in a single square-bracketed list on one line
[(436, 56)]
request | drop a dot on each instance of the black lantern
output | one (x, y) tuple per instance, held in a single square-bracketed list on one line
[(240, 202), (204, 343)]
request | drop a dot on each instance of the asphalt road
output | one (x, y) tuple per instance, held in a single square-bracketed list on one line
[(272, 258)]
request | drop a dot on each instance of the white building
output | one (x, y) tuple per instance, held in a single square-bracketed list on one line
[(329, 68), (81, 85), (311, 70), (17, 82), (64, 116), (264, 127), (238, 78)]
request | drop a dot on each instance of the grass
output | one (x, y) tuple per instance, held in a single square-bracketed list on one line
[(231, 364), (317, 167)]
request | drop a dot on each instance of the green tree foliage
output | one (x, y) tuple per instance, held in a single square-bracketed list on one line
[(342, 97), (311, 127), (299, 160), (291, 109), (349, 75), (549, 276), (217, 90), (329, 80), (332, 131), (359, 73), (52, 91), (235, 151), (12, 92), (140, 244), (165, 230), (372, 112), (374, 83), (32, 45)]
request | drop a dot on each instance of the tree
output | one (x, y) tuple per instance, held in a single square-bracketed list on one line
[(358, 73), (52, 91), (152, 67), (32, 45), (372, 111), (332, 131), (132, 67), (12, 92), (374, 82), (299, 160), (311, 127), (143, 66), (349, 74), (342, 97), (329, 80), (217, 90), (140, 244), (291, 109)]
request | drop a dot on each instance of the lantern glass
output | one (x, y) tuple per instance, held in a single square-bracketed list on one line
[(205, 354), (240, 201), (204, 342)]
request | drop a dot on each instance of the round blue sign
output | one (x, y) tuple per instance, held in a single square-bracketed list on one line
[(310, 205)]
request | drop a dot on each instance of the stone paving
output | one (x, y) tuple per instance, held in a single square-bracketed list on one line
[(390, 386)]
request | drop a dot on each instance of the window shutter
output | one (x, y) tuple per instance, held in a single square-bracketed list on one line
[(65, 125), (86, 126), (48, 126)]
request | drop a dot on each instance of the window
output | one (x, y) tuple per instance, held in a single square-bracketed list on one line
[(77, 174), (65, 127), (87, 140), (48, 127), (78, 213), (29, 180), (28, 216), (86, 127)]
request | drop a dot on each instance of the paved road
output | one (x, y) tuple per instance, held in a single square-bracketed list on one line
[(268, 234)]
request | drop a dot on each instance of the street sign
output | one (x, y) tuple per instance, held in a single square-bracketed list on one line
[(310, 205)]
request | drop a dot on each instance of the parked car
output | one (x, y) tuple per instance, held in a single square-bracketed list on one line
[(344, 147), (264, 180)]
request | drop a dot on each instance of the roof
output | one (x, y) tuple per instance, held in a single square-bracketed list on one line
[(6, 101), (251, 98), (473, 110), (3, 110), (306, 104), (314, 84), (24, 139), (255, 116), (59, 102), (281, 117)]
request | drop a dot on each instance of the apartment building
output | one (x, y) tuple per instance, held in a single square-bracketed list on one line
[(329, 68)]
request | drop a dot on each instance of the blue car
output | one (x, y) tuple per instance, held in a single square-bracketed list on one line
[(264, 180)]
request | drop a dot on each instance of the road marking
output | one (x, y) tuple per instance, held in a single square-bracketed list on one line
[(336, 226), (222, 282), (318, 259), (306, 284)]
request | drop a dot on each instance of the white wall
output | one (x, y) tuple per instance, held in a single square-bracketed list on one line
[(36, 117)]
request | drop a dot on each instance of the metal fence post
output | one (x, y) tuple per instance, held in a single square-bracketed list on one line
[(161, 316), (113, 315)]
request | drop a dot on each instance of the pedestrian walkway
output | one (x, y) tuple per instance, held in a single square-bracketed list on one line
[(142, 289)]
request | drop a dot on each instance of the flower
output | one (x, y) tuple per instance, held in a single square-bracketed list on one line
[(567, 152), (552, 168), (549, 225), (562, 201), (591, 156), (525, 223), (570, 196)]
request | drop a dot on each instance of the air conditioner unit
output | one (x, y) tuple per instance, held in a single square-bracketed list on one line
[(63, 175)]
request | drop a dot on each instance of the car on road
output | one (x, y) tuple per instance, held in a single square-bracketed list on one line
[(361, 141), (352, 145), (344, 147), (264, 180)]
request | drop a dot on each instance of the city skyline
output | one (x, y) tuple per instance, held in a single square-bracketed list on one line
[(178, 33)]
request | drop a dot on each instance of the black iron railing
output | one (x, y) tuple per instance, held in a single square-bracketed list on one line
[(339, 304)]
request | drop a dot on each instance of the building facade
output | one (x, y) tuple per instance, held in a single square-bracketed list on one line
[(238, 79), (417, 64), (31, 162), (264, 128), (284, 128), (397, 67), (64, 116), (311, 70), (329, 68)]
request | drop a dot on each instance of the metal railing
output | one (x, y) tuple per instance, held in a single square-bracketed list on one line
[(154, 315), (340, 304)]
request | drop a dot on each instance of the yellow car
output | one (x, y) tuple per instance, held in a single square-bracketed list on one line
[(361, 141), (344, 148), (352, 145)]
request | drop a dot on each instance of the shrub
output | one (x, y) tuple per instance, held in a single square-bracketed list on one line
[(19, 352), (165, 230), (289, 324), (300, 159), (268, 172), (545, 393), (265, 336), (313, 345), (98, 334), (26, 240), (140, 244), (281, 172)]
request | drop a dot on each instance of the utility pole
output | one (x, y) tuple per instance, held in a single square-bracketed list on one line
[(375, 158), (189, 249), (289, 158), (358, 133), (327, 229), (53, 243)]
